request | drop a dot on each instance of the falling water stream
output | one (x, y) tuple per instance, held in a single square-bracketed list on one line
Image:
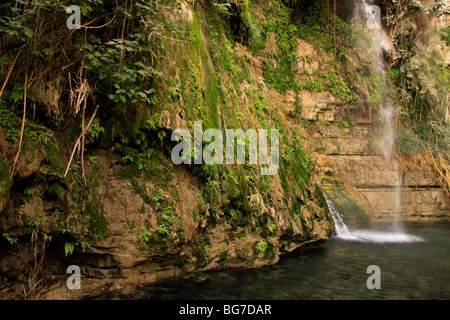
[(379, 45), (343, 232)]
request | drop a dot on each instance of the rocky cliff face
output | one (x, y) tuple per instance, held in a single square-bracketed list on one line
[(352, 157), (141, 219)]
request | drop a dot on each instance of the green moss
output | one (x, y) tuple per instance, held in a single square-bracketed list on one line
[(339, 87), (201, 252), (222, 258), (282, 76), (4, 173), (140, 190), (446, 35), (94, 221), (297, 163), (352, 214)]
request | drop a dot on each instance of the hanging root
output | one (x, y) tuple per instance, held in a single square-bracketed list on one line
[(78, 142)]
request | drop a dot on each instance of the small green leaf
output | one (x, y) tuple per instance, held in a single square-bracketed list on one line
[(68, 248)]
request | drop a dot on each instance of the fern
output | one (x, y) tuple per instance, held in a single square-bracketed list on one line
[(68, 248)]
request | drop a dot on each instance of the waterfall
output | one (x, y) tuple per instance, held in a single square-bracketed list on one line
[(371, 17), (371, 20), (344, 233)]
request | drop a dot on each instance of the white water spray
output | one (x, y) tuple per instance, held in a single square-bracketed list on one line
[(381, 44), (343, 232)]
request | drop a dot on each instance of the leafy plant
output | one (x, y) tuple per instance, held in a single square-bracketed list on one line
[(446, 35), (10, 239), (156, 200), (342, 124), (144, 236), (68, 248), (272, 229), (261, 246), (93, 160), (339, 87), (95, 130), (282, 76), (32, 285), (175, 95), (163, 229), (313, 86)]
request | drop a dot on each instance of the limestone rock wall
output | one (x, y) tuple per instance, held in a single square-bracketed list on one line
[(352, 156)]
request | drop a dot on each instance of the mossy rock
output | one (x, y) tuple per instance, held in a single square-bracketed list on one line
[(352, 214), (5, 184)]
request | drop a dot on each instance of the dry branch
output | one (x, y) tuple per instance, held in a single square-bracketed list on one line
[(9, 73), (78, 141)]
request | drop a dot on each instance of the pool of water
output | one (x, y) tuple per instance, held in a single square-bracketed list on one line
[(338, 270)]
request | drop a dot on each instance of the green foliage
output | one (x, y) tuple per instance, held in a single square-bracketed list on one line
[(32, 284), (313, 86), (321, 27), (126, 77), (342, 124), (256, 42), (163, 230), (272, 229), (261, 246), (95, 130), (408, 142), (92, 160), (156, 201), (68, 248), (222, 258), (298, 163), (282, 77), (11, 240), (121, 63), (339, 87), (422, 88), (315, 23), (115, 56), (34, 137), (167, 223), (261, 108), (446, 35), (175, 95), (145, 236), (95, 222), (306, 123), (201, 250)]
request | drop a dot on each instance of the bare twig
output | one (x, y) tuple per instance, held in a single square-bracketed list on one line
[(83, 134), (443, 174), (9, 73), (86, 25), (78, 141), (169, 38)]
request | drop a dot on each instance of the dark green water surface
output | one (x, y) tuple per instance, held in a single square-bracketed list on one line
[(418, 270)]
